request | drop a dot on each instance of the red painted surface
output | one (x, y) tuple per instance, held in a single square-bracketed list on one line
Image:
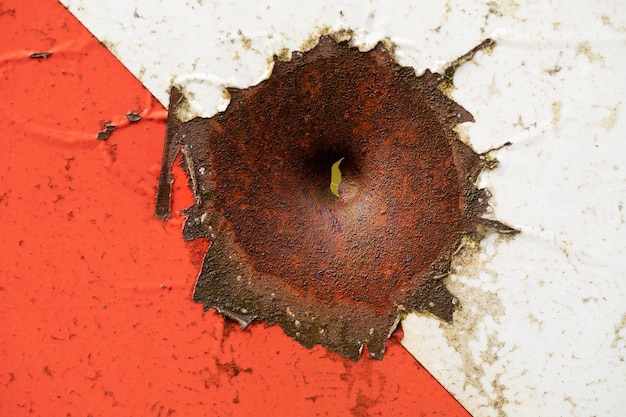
[(96, 316)]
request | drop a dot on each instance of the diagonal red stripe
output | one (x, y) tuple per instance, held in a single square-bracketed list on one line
[(96, 316)]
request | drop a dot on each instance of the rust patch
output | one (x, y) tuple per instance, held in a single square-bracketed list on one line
[(337, 270)]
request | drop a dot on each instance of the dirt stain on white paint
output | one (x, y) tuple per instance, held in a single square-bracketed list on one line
[(619, 341), (474, 333), (475, 355), (556, 112), (584, 48), (506, 8)]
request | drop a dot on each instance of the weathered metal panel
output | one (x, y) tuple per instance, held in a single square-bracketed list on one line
[(542, 324)]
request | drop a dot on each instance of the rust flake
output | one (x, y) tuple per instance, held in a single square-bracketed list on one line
[(332, 270)]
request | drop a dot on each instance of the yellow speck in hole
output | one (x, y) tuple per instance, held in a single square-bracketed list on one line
[(335, 177)]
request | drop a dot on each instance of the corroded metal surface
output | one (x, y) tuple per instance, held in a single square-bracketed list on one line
[(337, 270)]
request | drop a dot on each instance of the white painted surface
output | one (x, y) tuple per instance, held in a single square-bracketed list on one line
[(542, 328)]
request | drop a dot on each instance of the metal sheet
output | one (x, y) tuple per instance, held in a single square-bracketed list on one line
[(544, 328)]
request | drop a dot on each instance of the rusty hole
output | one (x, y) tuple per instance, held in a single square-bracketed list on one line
[(334, 264)]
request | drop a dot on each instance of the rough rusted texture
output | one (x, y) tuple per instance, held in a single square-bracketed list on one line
[(338, 271)]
